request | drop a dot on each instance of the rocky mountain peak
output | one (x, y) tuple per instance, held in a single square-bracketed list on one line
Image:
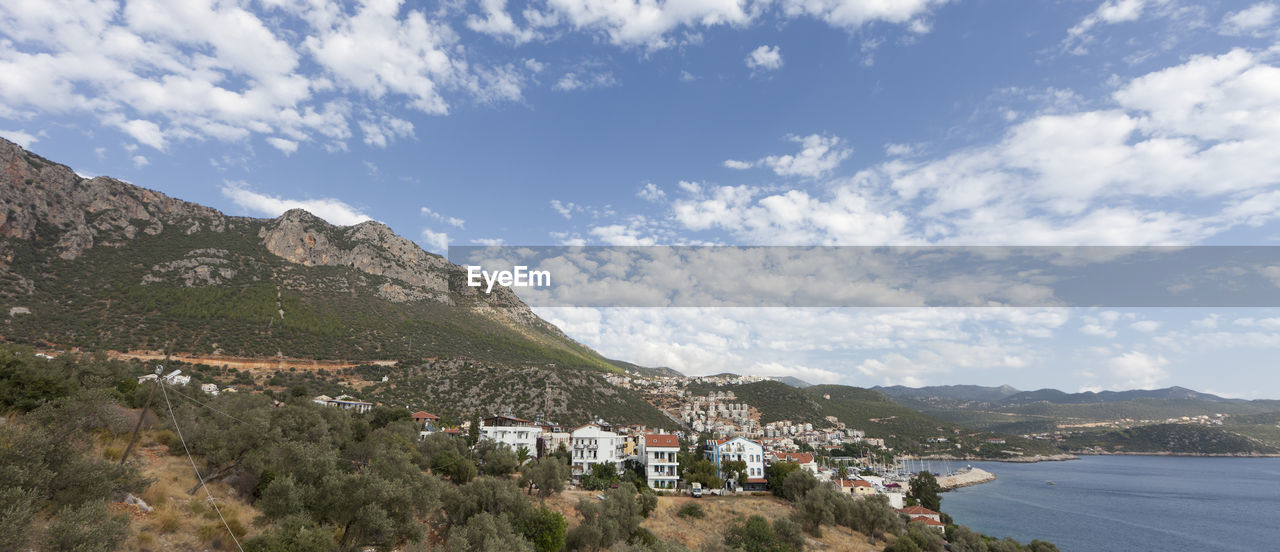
[(41, 199)]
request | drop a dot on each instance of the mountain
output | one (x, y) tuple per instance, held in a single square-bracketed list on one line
[(1088, 397), (974, 393), (103, 265), (659, 372), (795, 382)]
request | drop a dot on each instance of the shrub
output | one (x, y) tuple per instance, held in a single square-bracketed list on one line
[(86, 528), (544, 528), (691, 510)]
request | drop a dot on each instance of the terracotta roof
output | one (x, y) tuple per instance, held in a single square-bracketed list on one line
[(661, 440), (426, 415), (797, 457), (927, 521), (918, 511), (757, 480)]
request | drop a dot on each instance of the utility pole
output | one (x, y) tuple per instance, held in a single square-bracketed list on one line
[(141, 415)]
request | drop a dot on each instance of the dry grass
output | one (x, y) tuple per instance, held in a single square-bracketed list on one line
[(181, 521), (720, 513)]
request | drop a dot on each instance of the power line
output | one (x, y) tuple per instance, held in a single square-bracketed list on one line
[(199, 478)]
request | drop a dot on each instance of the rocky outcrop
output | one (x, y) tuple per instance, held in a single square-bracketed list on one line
[(42, 197), (370, 247)]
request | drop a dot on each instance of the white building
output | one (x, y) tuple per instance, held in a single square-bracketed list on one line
[(738, 448), (513, 432), (345, 402), (210, 389), (593, 445), (659, 454)]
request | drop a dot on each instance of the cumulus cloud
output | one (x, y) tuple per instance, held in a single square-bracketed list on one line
[(163, 72), (451, 221), (333, 210), (497, 22), (765, 58), (1256, 18), (20, 137), (819, 155), (1137, 370), (285, 146), (435, 242), (650, 192), (385, 129), (1109, 12)]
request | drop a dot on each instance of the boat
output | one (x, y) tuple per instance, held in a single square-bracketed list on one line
[(1050, 483)]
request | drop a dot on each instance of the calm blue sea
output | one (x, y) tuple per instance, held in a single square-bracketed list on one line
[(1103, 503)]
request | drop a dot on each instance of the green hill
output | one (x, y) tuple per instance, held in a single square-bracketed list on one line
[(99, 264), (1174, 438)]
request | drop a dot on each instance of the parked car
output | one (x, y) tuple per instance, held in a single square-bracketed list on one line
[(696, 490)]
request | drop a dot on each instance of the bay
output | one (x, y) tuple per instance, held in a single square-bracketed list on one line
[(1128, 503)]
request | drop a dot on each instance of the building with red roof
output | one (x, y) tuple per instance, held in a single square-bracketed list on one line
[(921, 511), (659, 453)]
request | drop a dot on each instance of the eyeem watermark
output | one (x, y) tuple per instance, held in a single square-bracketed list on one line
[(520, 276)]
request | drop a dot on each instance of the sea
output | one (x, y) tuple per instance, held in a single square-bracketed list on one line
[(1128, 503)]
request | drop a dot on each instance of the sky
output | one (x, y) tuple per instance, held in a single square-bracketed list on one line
[(718, 122)]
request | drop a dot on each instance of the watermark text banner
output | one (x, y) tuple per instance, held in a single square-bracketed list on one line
[(909, 276)]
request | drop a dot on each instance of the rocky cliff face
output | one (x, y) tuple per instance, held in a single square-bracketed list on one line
[(38, 196), (48, 211)]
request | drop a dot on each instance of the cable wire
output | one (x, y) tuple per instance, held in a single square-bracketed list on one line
[(199, 478)]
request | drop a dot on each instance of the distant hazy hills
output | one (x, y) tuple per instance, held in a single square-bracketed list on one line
[(1005, 395)]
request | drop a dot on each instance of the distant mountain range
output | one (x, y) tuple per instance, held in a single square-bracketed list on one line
[(1006, 395)]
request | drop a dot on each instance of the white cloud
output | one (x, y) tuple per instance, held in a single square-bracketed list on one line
[(1137, 370), (497, 22), (140, 161), (1109, 12), (650, 192), (20, 137), (585, 81), (765, 58), (566, 210), (382, 130), (436, 242), (618, 234), (856, 13), (1255, 18), (333, 210), (819, 155), (491, 242), (451, 221), (1145, 326), (163, 72), (286, 146)]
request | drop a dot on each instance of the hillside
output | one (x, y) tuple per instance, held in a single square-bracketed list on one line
[(1169, 438), (104, 265)]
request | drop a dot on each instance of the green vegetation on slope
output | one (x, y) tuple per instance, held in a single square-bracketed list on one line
[(136, 296), (1175, 438)]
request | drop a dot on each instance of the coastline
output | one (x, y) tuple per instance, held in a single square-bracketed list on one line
[(1187, 454), (1016, 460), (969, 477)]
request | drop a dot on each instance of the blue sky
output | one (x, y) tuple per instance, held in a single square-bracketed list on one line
[(832, 122)]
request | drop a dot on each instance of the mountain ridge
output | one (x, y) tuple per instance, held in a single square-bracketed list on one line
[(103, 265)]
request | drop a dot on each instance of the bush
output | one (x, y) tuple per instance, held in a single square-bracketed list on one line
[(691, 510), (293, 535), (755, 534), (544, 528), (86, 528), (486, 532)]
